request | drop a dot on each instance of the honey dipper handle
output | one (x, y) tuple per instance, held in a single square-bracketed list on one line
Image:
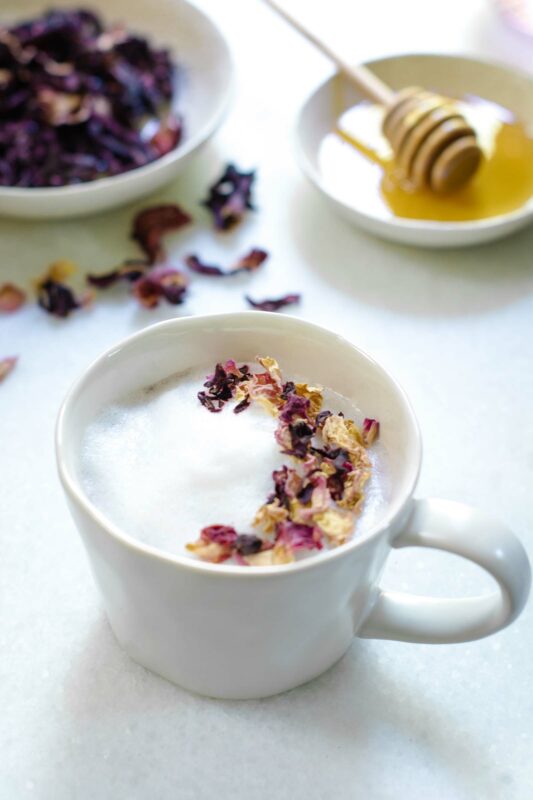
[(367, 83)]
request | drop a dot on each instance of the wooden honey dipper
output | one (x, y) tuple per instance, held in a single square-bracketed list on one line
[(433, 144)]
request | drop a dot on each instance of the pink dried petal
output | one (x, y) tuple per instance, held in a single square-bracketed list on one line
[(7, 364), (370, 431), (248, 263), (221, 534), (11, 298), (299, 537), (150, 225)]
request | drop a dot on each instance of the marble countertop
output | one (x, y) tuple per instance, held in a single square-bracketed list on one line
[(79, 720)]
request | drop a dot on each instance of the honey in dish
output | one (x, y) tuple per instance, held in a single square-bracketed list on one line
[(356, 162)]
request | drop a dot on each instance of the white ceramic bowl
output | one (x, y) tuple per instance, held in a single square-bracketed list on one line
[(447, 74), (204, 92)]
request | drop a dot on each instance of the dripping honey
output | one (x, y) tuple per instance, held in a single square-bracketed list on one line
[(503, 183)]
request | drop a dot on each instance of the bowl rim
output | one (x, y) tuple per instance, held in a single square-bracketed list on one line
[(77, 495), (402, 223), (159, 164)]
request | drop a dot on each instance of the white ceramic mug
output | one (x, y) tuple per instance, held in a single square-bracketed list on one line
[(237, 632)]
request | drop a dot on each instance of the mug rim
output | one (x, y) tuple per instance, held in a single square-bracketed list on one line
[(76, 493)]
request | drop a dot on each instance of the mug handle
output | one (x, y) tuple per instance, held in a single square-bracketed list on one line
[(469, 533)]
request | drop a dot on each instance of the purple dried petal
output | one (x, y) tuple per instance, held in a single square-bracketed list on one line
[(273, 304), (160, 283), (322, 416), (230, 197), (221, 386), (130, 270), (248, 263), (58, 299), (295, 407), (150, 225), (194, 264), (7, 364)]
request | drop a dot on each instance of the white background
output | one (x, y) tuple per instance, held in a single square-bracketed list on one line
[(77, 718)]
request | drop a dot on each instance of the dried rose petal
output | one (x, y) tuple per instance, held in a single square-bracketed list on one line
[(251, 261), (370, 431), (7, 364), (248, 263), (11, 298), (150, 225), (270, 515), (273, 304), (54, 296), (130, 270), (160, 283), (221, 534), (299, 537), (222, 386), (295, 438), (295, 407), (336, 525), (230, 197)]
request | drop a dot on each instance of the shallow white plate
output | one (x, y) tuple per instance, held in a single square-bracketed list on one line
[(204, 90), (446, 74)]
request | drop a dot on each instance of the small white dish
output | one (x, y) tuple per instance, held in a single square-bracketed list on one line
[(205, 84), (441, 73)]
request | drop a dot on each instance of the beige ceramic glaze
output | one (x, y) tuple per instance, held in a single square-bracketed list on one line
[(204, 85), (452, 75), (241, 632)]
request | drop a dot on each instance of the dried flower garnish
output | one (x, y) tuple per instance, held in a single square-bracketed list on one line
[(150, 225), (130, 270), (370, 431), (222, 386), (312, 503), (11, 298), (54, 296), (76, 99), (248, 263), (7, 364), (230, 197), (161, 283), (273, 304)]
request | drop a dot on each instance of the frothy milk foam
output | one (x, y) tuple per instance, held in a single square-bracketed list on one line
[(161, 467)]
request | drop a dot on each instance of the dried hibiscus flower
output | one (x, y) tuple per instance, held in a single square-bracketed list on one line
[(7, 364), (230, 197), (160, 283), (150, 225), (222, 385), (248, 263), (11, 298), (130, 270), (76, 98), (54, 296), (274, 304)]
